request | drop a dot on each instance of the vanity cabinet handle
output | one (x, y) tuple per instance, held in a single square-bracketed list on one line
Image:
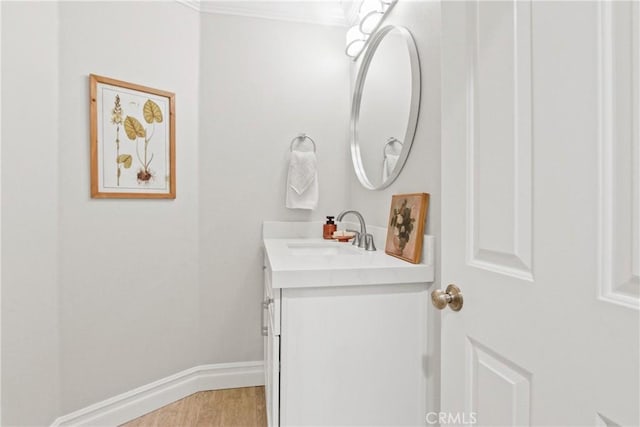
[(265, 307)]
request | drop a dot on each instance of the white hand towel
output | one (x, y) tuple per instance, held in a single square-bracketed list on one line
[(388, 165), (302, 170), (302, 181)]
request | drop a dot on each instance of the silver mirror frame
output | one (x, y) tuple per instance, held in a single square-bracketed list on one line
[(414, 108)]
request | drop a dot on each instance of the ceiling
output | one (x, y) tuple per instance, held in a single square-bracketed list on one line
[(323, 12)]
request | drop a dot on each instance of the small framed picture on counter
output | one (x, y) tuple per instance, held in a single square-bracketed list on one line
[(405, 230)]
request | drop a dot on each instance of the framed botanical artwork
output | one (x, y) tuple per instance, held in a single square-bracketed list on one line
[(406, 226), (133, 134)]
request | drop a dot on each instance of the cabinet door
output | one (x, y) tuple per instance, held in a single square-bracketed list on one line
[(355, 356)]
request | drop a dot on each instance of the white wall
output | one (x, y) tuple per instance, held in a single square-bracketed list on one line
[(262, 82), (30, 326), (102, 296), (128, 268)]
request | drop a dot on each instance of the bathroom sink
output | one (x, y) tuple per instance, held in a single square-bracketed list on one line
[(322, 249), (294, 259)]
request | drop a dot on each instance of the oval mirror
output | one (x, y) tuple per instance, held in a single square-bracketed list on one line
[(384, 112)]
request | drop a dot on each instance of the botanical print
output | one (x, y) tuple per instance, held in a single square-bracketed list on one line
[(129, 110), (406, 225), (131, 141)]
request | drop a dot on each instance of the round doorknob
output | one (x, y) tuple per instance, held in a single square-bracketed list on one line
[(452, 297)]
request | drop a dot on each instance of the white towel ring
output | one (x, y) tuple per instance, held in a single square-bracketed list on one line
[(390, 141), (302, 137)]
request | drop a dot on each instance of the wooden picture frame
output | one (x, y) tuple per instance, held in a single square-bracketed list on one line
[(405, 229), (133, 132)]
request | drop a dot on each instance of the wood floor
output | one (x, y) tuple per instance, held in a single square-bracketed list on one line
[(237, 407)]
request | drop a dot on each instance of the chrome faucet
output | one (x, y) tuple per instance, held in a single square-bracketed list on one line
[(362, 239)]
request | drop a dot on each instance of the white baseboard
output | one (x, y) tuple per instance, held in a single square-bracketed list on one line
[(132, 404)]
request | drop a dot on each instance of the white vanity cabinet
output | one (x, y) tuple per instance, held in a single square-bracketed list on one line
[(345, 354), (271, 347)]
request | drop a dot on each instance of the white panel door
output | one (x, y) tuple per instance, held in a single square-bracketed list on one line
[(540, 184)]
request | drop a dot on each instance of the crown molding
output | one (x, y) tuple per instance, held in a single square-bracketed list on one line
[(329, 13)]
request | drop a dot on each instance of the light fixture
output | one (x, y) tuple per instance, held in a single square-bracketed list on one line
[(370, 16), (355, 41)]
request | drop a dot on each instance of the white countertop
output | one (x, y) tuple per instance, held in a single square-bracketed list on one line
[(341, 265)]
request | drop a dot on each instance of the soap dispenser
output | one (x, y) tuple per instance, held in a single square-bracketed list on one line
[(329, 228)]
